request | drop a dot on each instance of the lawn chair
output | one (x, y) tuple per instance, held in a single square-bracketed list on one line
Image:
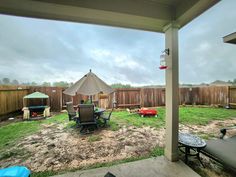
[(71, 111), (222, 150), (106, 117), (86, 117)]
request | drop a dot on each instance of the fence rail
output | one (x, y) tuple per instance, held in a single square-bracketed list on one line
[(11, 97)]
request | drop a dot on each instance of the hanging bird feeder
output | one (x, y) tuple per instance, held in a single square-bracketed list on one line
[(163, 64)]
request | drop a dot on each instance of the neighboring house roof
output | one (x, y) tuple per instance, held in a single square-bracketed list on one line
[(220, 83), (36, 95), (231, 38)]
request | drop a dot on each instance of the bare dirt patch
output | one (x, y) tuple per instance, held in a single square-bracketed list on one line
[(212, 129), (56, 147)]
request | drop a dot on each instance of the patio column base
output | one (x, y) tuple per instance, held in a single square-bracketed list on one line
[(173, 157)]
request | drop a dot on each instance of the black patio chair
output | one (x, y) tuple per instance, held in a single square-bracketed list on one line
[(106, 117), (222, 150), (86, 117), (71, 111)]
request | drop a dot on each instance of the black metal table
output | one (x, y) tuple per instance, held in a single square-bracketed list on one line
[(191, 142)]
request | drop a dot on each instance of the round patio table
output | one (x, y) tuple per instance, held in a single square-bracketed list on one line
[(191, 142)]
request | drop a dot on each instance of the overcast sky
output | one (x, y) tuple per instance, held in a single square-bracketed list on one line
[(46, 50)]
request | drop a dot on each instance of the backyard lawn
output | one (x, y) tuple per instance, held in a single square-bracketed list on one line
[(55, 141)]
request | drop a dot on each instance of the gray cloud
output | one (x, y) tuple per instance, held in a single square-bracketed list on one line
[(44, 50), (203, 55)]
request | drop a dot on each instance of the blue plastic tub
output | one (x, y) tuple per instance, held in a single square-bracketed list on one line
[(15, 171)]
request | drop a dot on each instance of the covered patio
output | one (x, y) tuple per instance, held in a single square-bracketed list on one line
[(157, 167), (163, 16)]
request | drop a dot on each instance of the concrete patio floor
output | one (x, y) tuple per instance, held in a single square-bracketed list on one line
[(153, 167)]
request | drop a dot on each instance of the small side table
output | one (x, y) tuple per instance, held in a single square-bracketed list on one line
[(191, 142)]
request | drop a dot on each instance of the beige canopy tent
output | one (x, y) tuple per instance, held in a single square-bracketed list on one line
[(90, 84)]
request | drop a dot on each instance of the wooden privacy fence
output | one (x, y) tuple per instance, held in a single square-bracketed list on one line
[(232, 96), (11, 97), (151, 97), (140, 97)]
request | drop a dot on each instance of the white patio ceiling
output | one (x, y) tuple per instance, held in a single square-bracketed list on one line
[(231, 38), (151, 15)]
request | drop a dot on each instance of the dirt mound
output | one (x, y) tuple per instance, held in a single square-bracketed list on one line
[(55, 148)]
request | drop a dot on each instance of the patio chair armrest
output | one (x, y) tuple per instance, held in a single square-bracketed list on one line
[(223, 131), (72, 116)]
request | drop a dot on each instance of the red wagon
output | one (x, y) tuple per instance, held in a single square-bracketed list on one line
[(147, 112)]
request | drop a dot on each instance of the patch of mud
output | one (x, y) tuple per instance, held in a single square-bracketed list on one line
[(212, 129), (54, 148)]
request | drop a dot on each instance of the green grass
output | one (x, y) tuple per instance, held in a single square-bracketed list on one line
[(157, 151), (57, 119), (94, 138), (11, 134), (44, 174), (188, 115), (125, 118), (202, 116)]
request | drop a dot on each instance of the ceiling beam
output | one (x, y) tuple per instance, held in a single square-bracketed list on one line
[(187, 10), (147, 16), (145, 8), (150, 15), (231, 38)]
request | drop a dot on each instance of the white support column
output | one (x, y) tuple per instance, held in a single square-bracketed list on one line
[(172, 93)]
